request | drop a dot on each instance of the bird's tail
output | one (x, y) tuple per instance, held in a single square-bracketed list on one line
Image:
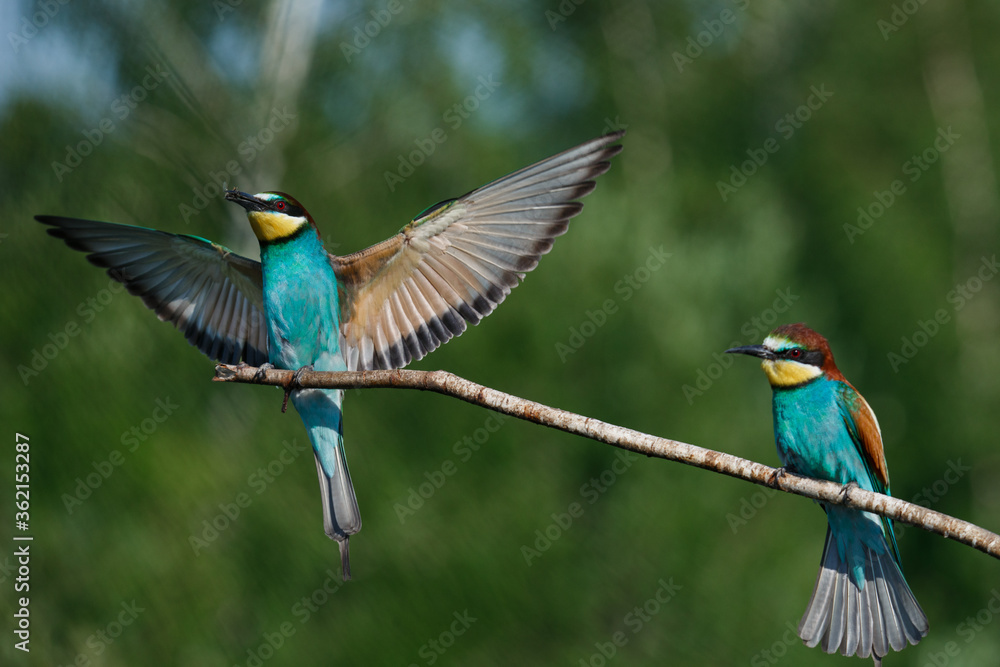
[(320, 410), (864, 620)]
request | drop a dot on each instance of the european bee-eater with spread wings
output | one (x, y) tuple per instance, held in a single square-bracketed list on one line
[(301, 306)]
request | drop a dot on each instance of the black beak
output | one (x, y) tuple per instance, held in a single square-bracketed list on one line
[(753, 351), (249, 202)]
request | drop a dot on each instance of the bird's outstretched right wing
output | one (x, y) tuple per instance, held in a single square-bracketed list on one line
[(212, 295)]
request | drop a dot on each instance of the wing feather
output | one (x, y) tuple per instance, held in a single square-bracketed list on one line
[(861, 423), (867, 435), (213, 296), (434, 304), (453, 264)]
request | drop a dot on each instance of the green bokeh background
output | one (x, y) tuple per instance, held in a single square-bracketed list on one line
[(563, 72)]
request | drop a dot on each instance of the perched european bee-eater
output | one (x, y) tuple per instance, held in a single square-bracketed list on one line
[(380, 308), (825, 429)]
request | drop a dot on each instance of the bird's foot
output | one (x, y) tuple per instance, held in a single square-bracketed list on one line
[(846, 491), (261, 371), (293, 384), (772, 479)]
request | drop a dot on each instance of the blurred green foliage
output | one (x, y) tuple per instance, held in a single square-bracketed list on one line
[(701, 87)]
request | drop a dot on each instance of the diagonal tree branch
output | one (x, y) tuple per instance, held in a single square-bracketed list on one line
[(449, 384)]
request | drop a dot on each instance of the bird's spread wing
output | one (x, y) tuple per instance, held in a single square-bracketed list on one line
[(456, 261), (212, 295)]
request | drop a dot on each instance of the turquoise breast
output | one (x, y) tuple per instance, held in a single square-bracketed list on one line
[(812, 437), (301, 304)]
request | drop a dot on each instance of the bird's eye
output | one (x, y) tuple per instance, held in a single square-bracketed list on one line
[(795, 353), (280, 205)]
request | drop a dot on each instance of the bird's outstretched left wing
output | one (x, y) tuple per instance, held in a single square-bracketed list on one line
[(212, 295), (458, 260)]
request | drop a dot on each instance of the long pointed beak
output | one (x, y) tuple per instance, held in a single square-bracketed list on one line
[(753, 351), (249, 202)]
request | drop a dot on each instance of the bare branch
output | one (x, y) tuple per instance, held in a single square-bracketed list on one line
[(448, 384)]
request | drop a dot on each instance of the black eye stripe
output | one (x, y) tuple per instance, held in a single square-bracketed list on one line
[(811, 357), (282, 206)]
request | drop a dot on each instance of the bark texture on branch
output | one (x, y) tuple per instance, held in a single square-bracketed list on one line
[(449, 384)]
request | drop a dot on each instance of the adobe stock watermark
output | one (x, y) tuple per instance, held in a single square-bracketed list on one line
[(103, 638), (59, 339), (613, 125), (634, 621), (899, 17), (749, 507), (369, 30), (258, 482), (303, 609), (131, 440), (625, 288), (454, 116), (434, 648), (223, 7), (29, 27), (928, 496), (714, 28), (786, 126), (967, 631), (252, 146), (311, 604), (464, 450), (563, 11), (753, 331), (931, 495), (914, 168), (590, 492), (121, 107), (927, 329), (269, 644), (779, 649)]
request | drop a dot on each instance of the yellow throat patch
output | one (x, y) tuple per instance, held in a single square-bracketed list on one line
[(269, 226), (786, 373)]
